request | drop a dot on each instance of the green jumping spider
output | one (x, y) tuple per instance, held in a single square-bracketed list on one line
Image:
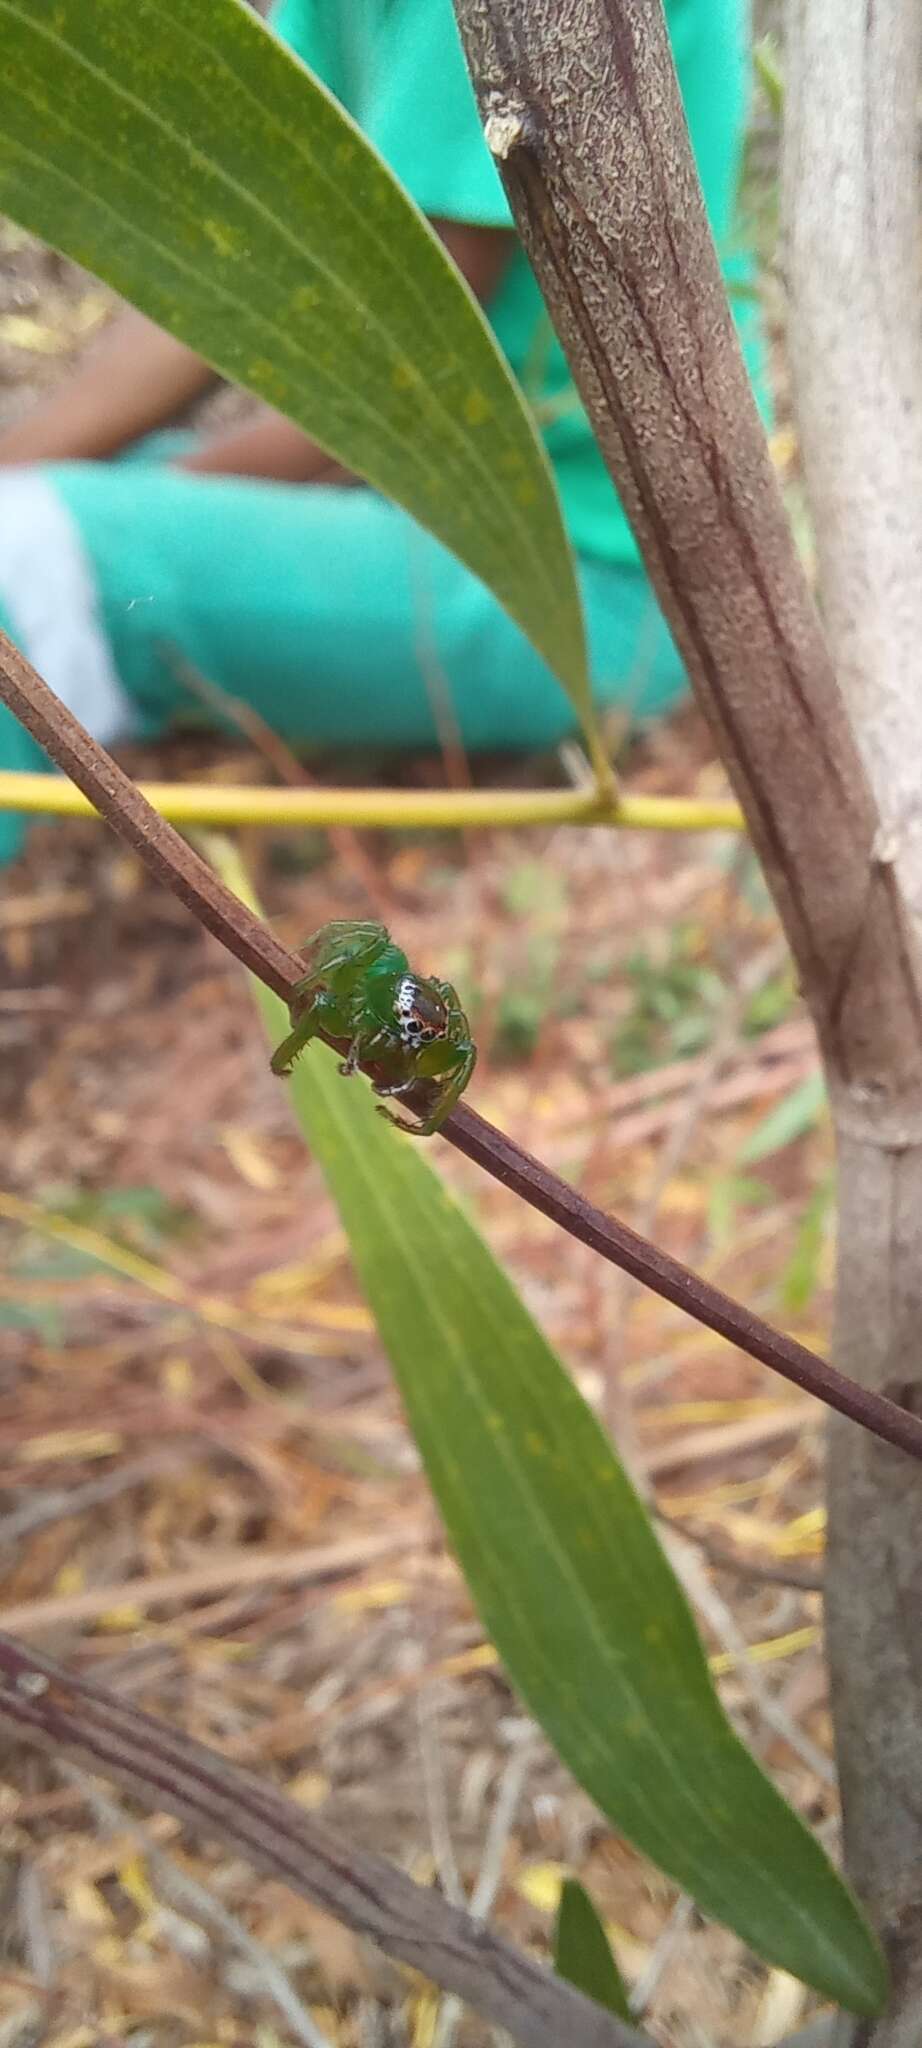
[(405, 1027)]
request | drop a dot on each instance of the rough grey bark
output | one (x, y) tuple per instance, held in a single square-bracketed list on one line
[(582, 112), (851, 204), (852, 261)]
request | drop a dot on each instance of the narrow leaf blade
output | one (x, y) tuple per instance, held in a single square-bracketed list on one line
[(178, 150), (582, 1951), (797, 1113)]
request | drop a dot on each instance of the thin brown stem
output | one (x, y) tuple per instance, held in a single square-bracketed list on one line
[(667, 1277), (168, 857), (176, 864)]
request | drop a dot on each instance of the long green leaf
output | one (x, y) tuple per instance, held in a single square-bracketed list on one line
[(178, 150), (560, 1556), (582, 1952)]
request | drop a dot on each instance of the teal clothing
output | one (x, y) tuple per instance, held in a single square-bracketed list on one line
[(366, 617), (397, 67), (327, 609)]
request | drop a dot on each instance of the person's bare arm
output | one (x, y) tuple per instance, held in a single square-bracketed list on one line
[(138, 377), (268, 445), (271, 446), (132, 381)]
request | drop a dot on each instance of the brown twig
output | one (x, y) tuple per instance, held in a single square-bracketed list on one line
[(729, 1557), (241, 1567), (61, 1712), (674, 1282), (168, 857), (182, 870)]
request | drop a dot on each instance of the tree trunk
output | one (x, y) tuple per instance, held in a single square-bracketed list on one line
[(873, 1585), (581, 109), (853, 250)]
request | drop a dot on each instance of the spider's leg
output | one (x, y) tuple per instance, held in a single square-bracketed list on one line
[(455, 1083), (363, 1048), (402, 1087), (396, 1088), (305, 1027), (284, 1056)]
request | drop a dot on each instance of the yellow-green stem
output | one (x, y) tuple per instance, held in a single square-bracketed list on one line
[(194, 803)]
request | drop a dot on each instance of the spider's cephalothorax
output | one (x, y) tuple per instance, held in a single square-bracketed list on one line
[(404, 1028), (420, 1012)]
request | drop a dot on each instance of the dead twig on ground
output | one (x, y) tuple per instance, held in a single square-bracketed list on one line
[(56, 1710)]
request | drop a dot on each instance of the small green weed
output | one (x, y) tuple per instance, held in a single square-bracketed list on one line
[(675, 1000)]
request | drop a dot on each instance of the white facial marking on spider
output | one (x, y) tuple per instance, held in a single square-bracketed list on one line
[(416, 1028)]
